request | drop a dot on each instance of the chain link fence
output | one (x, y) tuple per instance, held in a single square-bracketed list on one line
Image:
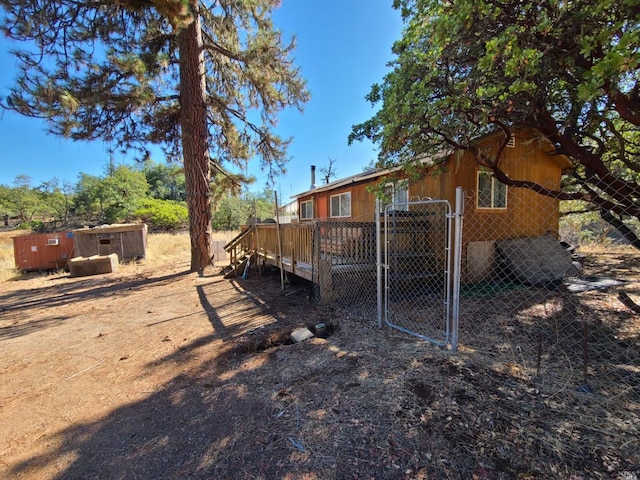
[(344, 263), (543, 309), (397, 269), (416, 251), (552, 320), (547, 309)]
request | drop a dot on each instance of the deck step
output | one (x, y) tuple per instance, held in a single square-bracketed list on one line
[(239, 268)]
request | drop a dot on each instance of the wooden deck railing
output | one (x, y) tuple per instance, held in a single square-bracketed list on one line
[(287, 246), (309, 250)]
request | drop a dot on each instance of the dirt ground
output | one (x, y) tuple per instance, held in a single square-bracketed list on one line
[(166, 375)]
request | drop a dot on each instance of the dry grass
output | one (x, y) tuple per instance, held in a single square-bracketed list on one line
[(165, 249), (162, 249)]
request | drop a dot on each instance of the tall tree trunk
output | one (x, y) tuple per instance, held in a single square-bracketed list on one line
[(195, 147)]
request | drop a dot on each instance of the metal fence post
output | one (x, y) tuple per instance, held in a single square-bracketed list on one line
[(457, 256), (378, 262)]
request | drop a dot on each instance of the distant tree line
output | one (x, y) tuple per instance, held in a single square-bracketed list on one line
[(153, 193)]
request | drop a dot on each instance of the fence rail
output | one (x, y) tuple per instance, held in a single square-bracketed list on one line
[(286, 246)]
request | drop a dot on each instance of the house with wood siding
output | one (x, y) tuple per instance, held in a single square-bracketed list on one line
[(504, 212), (336, 228)]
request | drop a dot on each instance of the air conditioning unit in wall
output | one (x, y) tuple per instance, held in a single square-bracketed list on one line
[(53, 241)]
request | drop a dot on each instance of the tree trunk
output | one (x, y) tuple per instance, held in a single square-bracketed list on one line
[(619, 225), (195, 147)]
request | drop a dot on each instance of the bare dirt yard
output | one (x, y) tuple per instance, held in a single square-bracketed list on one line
[(155, 373)]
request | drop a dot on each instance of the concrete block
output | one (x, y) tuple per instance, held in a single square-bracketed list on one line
[(301, 334), (480, 261), (94, 265)]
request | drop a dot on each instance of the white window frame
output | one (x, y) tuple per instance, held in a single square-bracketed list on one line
[(495, 187), (305, 207), (343, 207), (393, 191)]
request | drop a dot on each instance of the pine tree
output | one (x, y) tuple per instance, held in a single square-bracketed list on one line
[(204, 82)]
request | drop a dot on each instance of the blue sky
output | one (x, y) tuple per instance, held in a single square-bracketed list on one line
[(343, 47)]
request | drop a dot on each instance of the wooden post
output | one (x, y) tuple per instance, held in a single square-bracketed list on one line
[(279, 241), (325, 280), (257, 245)]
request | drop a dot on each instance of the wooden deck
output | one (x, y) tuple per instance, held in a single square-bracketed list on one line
[(286, 246), (315, 252)]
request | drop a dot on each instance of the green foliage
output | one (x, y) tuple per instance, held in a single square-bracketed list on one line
[(34, 225), (55, 201), (33, 206), (265, 206), (7, 206), (5, 200), (167, 215), (111, 199), (24, 200), (571, 70), (166, 181), (582, 225), (88, 198), (123, 196), (233, 211), (230, 213)]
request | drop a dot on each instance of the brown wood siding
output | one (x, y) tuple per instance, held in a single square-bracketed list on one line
[(362, 202), (322, 202), (435, 186), (527, 213)]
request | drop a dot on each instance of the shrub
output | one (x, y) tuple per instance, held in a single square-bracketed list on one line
[(37, 226), (165, 215)]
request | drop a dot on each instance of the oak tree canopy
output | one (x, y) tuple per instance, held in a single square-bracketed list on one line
[(570, 69)]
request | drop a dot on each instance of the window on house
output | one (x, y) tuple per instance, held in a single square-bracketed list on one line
[(341, 205), (491, 193), (306, 210), (398, 194)]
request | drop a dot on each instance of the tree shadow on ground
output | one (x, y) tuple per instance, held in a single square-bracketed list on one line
[(208, 422), (76, 293), (181, 431), (195, 426), (366, 403)]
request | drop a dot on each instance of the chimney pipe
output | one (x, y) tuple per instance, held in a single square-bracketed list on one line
[(313, 177)]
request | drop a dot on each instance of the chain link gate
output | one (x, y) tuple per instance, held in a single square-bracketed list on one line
[(418, 278)]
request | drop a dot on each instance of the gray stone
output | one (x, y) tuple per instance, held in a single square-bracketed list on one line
[(536, 260)]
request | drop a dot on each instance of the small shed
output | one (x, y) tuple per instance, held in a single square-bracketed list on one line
[(128, 241), (43, 251)]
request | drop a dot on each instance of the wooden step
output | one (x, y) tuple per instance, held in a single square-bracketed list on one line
[(239, 268)]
